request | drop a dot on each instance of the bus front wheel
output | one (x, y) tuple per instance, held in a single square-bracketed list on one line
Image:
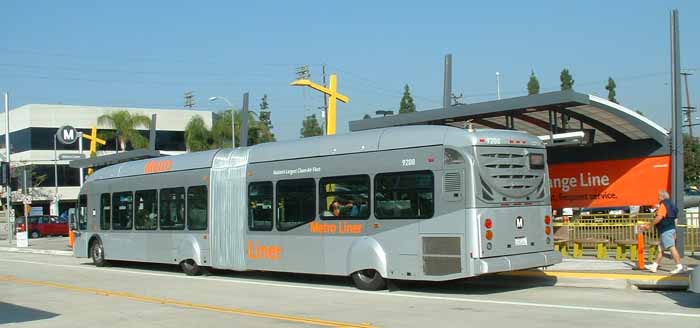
[(369, 279), (97, 252), (191, 268)]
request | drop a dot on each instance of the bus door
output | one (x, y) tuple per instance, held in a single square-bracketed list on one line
[(78, 224)]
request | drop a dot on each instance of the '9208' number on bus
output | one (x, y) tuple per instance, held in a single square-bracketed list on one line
[(408, 162)]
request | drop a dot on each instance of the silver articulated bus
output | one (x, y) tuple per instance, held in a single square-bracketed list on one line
[(409, 203)]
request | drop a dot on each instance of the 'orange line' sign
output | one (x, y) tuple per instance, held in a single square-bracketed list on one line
[(611, 183), (156, 166)]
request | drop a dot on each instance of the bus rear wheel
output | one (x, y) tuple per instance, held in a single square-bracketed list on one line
[(97, 252), (191, 268), (368, 279)]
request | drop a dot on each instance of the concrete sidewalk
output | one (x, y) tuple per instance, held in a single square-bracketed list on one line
[(584, 272)]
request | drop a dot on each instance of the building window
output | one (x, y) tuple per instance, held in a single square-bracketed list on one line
[(344, 197), (172, 209), (296, 203), (105, 213), (197, 208), (260, 206), (123, 210), (404, 195), (146, 210)]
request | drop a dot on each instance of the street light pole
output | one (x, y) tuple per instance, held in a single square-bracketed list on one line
[(55, 175), (233, 119), (10, 229)]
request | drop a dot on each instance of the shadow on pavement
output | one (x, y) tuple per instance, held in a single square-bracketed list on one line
[(15, 314), (682, 298), (487, 284)]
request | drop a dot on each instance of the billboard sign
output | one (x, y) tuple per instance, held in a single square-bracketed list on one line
[(609, 183)]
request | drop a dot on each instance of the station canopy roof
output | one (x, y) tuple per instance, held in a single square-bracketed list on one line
[(543, 114)]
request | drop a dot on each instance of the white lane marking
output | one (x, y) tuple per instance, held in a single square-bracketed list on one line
[(387, 294)]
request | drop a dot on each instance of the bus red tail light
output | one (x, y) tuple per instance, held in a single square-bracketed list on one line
[(547, 230), (489, 234), (547, 219), (488, 224)]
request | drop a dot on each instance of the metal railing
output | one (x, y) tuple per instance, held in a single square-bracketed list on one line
[(623, 227)]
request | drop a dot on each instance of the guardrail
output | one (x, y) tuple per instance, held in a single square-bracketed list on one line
[(589, 230)]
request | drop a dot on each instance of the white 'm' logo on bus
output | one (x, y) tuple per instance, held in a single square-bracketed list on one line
[(68, 134), (519, 222)]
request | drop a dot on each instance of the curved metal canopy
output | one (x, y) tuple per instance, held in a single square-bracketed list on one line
[(542, 114)]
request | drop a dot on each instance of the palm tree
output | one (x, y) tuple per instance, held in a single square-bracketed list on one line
[(125, 124), (197, 136)]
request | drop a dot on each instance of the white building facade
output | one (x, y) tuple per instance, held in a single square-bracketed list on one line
[(32, 134)]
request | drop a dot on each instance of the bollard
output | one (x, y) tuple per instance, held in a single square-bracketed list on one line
[(640, 249), (694, 279), (71, 238)]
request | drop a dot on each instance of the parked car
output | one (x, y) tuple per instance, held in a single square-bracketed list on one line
[(43, 225)]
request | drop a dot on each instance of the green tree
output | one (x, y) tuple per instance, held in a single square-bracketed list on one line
[(567, 81), (691, 160), (611, 90), (407, 105), (366, 117), (125, 124), (197, 135), (533, 85), (221, 130), (311, 127), (265, 129)]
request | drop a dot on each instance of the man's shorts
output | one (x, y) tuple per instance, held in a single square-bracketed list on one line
[(668, 238)]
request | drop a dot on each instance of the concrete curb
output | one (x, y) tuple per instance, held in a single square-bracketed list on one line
[(36, 251), (602, 280)]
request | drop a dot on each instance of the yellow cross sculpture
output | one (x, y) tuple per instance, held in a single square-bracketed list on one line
[(333, 95), (94, 140)]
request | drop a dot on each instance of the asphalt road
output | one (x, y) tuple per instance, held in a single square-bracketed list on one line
[(56, 291)]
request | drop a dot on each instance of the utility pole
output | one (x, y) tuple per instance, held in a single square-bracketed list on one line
[(189, 99), (498, 85), (325, 103), (688, 109), (10, 229), (677, 172), (456, 99), (447, 83)]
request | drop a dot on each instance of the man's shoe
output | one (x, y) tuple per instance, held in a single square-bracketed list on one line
[(679, 268), (651, 267)]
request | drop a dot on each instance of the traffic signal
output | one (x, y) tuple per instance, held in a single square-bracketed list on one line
[(5, 173)]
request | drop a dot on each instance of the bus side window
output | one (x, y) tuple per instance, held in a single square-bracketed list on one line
[(404, 195), (296, 203), (105, 214), (146, 217), (172, 209), (260, 206), (345, 197), (197, 208), (123, 210)]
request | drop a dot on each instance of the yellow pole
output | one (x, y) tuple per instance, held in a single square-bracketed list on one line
[(332, 105)]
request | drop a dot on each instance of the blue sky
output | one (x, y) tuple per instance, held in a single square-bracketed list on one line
[(147, 54)]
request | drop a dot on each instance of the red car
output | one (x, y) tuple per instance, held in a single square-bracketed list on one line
[(43, 225)]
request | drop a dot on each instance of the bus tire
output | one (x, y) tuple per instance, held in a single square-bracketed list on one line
[(191, 268), (368, 279), (35, 234), (97, 252)]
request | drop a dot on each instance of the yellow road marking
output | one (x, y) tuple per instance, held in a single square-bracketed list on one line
[(214, 308), (594, 275)]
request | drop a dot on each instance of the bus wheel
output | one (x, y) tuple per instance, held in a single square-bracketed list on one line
[(369, 279), (35, 234), (191, 268), (97, 252)]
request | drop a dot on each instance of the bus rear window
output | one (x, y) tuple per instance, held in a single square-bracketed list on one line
[(537, 161)]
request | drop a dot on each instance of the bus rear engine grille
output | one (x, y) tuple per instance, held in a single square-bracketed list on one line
[(441, 256)]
